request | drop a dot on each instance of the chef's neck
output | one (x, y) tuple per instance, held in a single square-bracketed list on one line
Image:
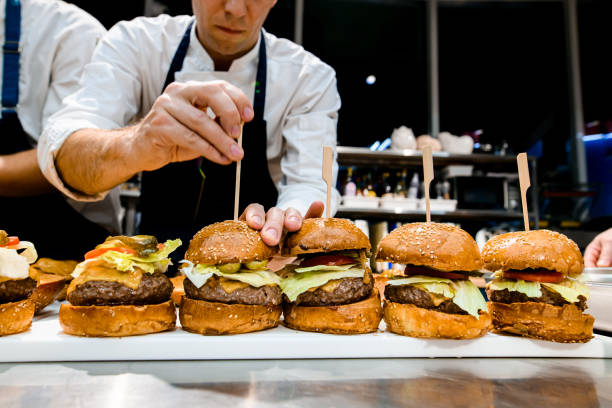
[(223, 62)]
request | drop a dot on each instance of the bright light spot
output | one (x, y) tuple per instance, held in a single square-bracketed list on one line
[(370, 80)]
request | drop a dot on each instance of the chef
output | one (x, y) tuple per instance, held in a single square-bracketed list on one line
[(169, 95), (45, 46)]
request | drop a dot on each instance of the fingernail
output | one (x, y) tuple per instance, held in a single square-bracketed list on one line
[(256, 219), (248, 113), (236, 151), (236, 131), (294, 219), (272, 234)]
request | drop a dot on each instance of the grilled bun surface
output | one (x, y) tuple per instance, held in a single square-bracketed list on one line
[(325, 235)]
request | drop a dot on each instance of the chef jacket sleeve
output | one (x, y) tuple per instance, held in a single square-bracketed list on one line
[(310, 124)]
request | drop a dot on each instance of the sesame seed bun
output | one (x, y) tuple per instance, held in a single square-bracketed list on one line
[(16, 317), (443, 247), (533, 250), (325, 235), (228, 242)]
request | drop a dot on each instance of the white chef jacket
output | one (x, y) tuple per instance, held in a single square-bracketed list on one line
[(127, 73), (57, 40)]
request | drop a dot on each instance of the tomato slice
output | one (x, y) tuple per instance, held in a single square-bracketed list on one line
[(423, 270), (329, 260), (12, 241), (535, 275), (94, 253)]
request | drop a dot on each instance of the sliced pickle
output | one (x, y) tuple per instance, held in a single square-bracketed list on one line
[(3, 237), (143, 244), (229, 268), (256, 265)]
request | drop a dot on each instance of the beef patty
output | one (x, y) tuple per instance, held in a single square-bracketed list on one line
[(548, 296), (348, 290), (420, 298), (16, 290), (212, 291), (153, 289)]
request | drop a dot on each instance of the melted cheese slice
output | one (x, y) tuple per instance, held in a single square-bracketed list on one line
[(100, 273), (230, 285)]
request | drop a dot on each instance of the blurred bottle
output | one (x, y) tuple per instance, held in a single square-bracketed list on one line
[(350, 188), (413, 190), (446, 190), (368, 189), (401, 189), (387, 190)]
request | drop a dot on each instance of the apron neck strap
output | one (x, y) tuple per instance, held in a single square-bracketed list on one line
[(11, 51)]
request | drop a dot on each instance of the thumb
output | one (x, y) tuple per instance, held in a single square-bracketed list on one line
[(605, 258)]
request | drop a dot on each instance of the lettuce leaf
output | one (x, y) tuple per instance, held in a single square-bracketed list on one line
[(530, 289), (463, 293), (569, 289), (199, 274), (157, 261), (327, 268), (468, 297), (295, 285)]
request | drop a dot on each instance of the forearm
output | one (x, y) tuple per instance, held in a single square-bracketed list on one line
[(20, 175), (92, 161)]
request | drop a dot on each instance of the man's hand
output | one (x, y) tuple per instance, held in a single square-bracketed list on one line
[(178, 128), (599, 251), (273, 223)]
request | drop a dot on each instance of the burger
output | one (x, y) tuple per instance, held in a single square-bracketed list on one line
[(534, 292), (16, 286), (120, 289), (330, 288), (228, 286), (434, 298)]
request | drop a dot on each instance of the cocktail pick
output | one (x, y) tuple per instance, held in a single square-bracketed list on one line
[(525, 183)]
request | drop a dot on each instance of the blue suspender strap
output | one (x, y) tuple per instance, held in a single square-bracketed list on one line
[(11, 50)]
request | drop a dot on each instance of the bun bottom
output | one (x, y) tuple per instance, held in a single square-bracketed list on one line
[(16, 317), (117, 321), (562, 324), (48, 289), (214, 318), (413, 321), (355, 318)]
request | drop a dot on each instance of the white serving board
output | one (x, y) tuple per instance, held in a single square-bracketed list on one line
[(45, 341)]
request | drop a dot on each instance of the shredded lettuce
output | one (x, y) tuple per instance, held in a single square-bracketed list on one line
[(569, 289), (157, 261), (530, 289), (463, 293), (295, 285), (468, 297), (199, 274), (326, 268)]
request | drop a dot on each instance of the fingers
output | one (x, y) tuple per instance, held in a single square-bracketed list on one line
[(315, 210), (591, 254), (605, 257), (293, 220), (273, 228), (204, 128), (254, 215)]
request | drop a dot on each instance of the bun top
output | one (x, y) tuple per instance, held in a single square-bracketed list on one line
[(227, 242), (325, 235), (443, 247), (533, 249)]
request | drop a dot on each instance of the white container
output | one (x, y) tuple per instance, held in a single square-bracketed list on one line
[(599, 281), (439, 205), (399, 203), (360, 202)]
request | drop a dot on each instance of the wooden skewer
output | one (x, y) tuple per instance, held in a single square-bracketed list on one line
[(328, 156), (238, 166), (525, 183), (428, 176)]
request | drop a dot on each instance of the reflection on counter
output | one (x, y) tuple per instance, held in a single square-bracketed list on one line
[(357, 383)]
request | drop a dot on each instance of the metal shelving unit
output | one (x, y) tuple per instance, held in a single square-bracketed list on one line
[(358, 156)]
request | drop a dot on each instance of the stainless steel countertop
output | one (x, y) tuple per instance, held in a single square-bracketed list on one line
[(311, 383)]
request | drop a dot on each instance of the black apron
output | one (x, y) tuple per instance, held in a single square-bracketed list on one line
[(56, 229), (176, 201)]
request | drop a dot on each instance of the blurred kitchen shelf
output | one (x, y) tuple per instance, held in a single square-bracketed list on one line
[(361, 156), (389, 214)]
